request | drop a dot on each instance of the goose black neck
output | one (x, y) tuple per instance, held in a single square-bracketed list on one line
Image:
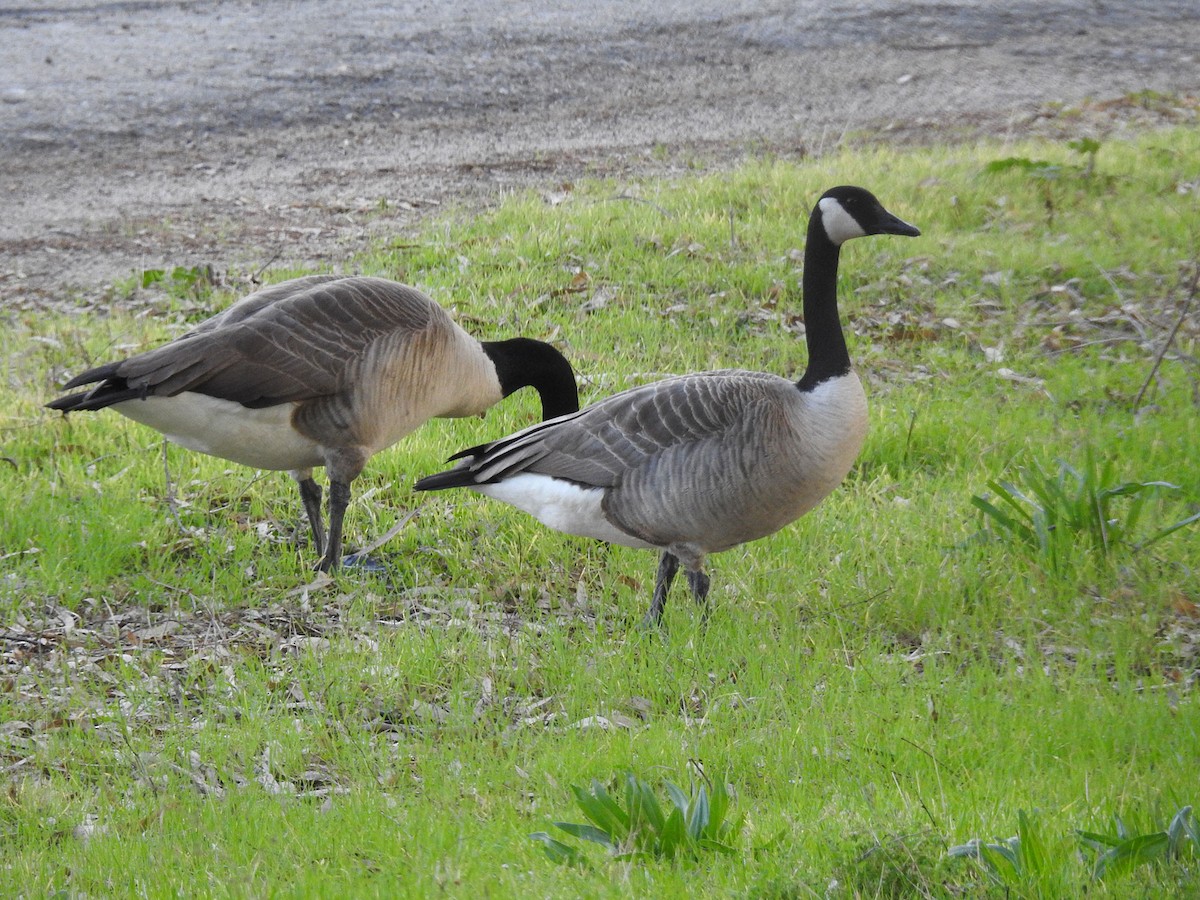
[(524, 362), (827, 353)]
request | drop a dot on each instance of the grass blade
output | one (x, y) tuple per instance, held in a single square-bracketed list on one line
[(1007, 492), (968, 850), (997, 860), (587, 833), (642, 805), (1031, 849), (697, 822), (1129, 853), (718, 808), (1170, 529), (1001, 861), (1096, 841), (1122, 831), (710, 844), (602, 810), (1179, 830), (678, 797), (1007, 523), (674, 837), (1193, 830), (557, 851)]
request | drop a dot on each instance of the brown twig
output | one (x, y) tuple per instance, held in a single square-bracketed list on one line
[(257, 276), (391, 533), (1187, 306), (172, 499)]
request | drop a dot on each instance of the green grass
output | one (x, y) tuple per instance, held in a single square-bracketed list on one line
[(892, 676)]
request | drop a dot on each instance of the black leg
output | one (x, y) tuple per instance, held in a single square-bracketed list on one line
[(310, 496), (668, 565), (339, 499), (699, 583), (343, 465)]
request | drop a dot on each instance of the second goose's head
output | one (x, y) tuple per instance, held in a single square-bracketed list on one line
[(847, 212)]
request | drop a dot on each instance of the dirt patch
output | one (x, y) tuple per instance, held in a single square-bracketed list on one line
[(242, 136)]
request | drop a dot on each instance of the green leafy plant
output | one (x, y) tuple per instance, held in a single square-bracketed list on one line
[(1047, 174), (696, 822), (1036, 168), (181, 281), (1088, 147), (1010, 862), (1028, 860), (1122, 850), (1040, 168), (1048, 512)]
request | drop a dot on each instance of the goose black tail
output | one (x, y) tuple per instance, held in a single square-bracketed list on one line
[(97, 398), (109, 388), (452, 478)]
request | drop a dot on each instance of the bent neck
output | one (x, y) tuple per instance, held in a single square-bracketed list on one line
[(524, 362), (827, 353)]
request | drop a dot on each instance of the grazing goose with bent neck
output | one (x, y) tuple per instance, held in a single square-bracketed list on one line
[(320, 371), (700, 463)]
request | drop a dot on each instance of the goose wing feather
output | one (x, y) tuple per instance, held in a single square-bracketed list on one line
[(602, 445), (291, 342), (252, 304)]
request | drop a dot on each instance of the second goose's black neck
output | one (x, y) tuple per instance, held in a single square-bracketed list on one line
[(524, 362), (827, 353)]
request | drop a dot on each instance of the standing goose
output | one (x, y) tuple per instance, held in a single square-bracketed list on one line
[(320, 371), (700, 463)]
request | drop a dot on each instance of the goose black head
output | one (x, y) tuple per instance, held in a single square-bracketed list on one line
[(848, 212), (524, 362)]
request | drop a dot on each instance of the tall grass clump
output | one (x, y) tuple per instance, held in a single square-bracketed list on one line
[(1060, 514), (693, 824)]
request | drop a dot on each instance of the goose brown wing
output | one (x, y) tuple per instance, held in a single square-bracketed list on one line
[(628, 433), (254, 303), (279, 346)]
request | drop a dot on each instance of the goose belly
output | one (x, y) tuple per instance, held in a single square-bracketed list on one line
[(259, 438), (561, 505)]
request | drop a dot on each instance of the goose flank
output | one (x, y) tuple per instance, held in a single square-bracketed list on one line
[(700, 463), (320, 371)]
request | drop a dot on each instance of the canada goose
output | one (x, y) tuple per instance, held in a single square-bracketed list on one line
[(697, 464), (320, 371)]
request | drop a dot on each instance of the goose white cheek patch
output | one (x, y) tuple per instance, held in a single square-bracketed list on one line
[(839, 224)]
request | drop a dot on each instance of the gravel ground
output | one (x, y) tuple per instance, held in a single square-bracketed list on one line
[(246, 134)]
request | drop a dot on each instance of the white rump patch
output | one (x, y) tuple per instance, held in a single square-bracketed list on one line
[(839, 224), (561, 505), (259, 438)]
